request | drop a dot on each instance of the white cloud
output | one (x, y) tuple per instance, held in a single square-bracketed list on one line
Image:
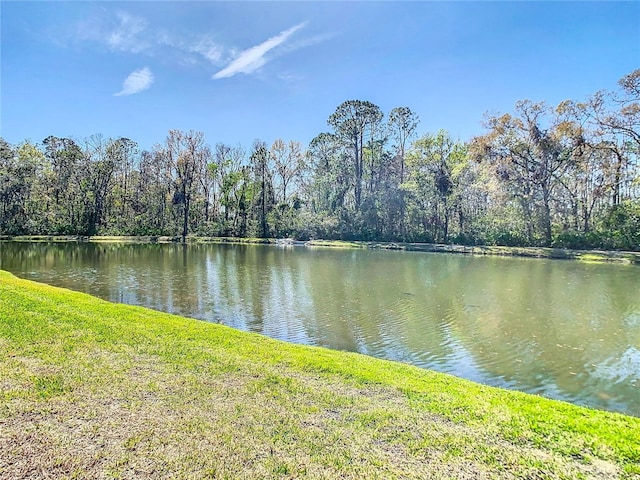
[(122, 32), (203, 45), (137, 81), (251, 59), (309, 42), (126, 35), (208, 49)]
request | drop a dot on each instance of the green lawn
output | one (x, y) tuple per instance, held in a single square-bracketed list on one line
[(91, 389)]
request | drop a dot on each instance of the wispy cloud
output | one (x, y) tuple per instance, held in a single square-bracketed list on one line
[(137, 81), (253, 58), (209, 49), (309, 41), (202, 45), (121, 32), (127, 35)]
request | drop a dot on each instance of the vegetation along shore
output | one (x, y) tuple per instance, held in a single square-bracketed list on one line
[(91, 389), (531, 252)]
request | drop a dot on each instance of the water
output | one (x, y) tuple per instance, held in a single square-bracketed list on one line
[(561, 329)]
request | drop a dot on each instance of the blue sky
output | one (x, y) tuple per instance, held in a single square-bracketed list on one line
[(240, 71)]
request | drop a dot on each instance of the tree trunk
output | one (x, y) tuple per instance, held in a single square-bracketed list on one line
[(546, 215), (185, 217), (358, 165)]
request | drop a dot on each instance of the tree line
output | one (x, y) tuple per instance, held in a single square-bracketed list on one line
[(565, 176)]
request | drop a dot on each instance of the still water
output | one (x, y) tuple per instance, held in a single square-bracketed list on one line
[(562, 329)]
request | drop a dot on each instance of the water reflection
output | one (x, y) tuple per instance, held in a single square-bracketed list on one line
[(565, 330)]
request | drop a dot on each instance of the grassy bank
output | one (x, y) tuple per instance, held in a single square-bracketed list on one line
[(533, 252), (90, 389)]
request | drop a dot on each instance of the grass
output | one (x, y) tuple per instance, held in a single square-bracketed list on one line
[(591, 256), (91, 389)]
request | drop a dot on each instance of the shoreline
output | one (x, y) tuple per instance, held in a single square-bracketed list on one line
[(592, 256)]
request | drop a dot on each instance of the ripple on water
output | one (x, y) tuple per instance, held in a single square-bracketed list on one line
[(632, 320), (620, 368)]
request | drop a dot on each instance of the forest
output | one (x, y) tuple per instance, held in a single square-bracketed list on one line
[(565, 176)]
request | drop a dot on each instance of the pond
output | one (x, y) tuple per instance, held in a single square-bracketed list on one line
[(562, 329)]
